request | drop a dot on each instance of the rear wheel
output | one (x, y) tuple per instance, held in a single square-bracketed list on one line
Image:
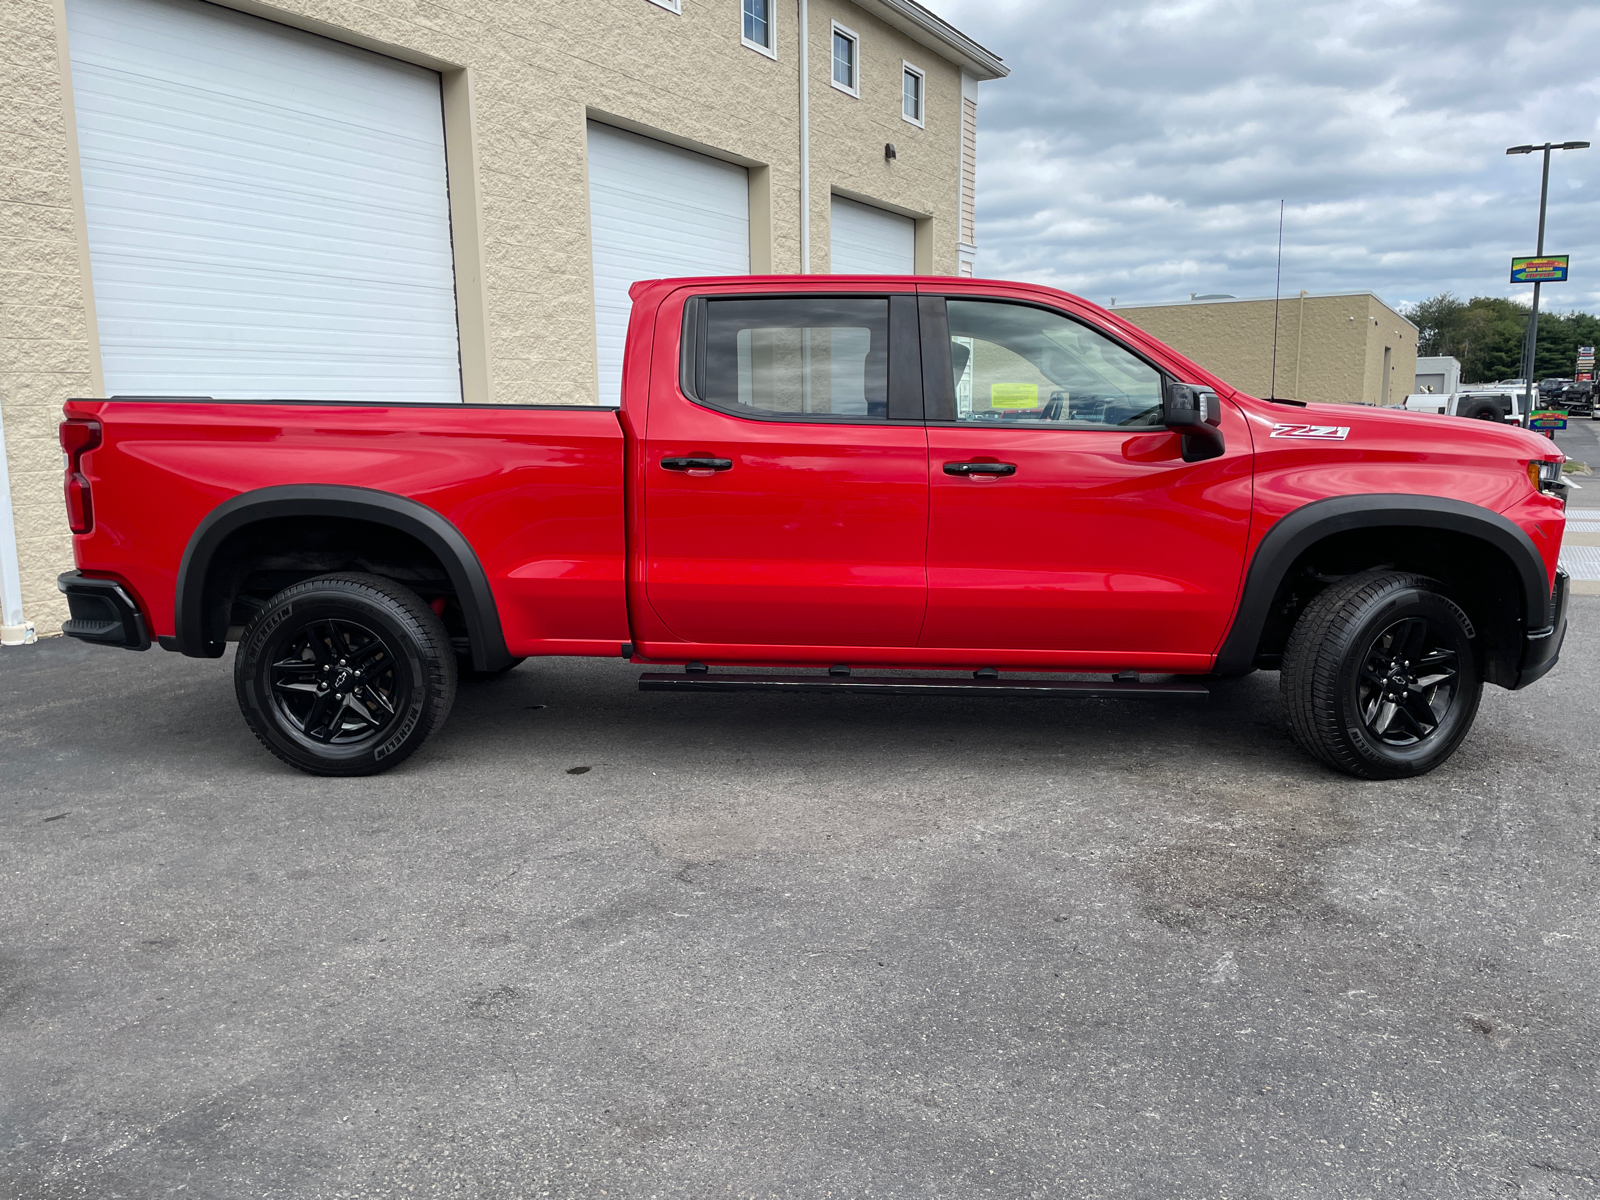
[(345, 674), (1380, 676)]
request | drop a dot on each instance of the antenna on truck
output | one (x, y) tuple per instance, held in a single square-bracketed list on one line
[(1277, 287)]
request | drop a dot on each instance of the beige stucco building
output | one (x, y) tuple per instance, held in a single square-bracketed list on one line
[(1342, 348), (569, 145)]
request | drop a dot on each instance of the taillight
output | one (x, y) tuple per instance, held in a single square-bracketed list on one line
[(79, 435)]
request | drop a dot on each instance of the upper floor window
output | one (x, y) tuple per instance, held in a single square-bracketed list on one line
[(911, 91), (846, 53), (758, 26)]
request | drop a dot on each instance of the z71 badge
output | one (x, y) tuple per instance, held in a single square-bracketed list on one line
[(1321, 433)]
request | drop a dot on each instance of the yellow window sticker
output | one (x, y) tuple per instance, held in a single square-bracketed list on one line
[(1014, 395)]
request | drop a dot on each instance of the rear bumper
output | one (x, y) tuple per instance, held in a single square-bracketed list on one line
[(1542, 647), (102, 612)]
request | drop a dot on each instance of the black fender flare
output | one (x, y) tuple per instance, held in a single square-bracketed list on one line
[(408, 516), (1295, 532)]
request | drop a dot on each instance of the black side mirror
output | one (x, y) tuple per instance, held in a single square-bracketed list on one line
[(1195, 412)]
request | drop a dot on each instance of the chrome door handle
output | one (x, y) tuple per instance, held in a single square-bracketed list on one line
[(980, 468), (697, 464)]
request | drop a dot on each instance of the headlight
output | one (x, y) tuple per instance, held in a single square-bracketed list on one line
[(1546, 476)]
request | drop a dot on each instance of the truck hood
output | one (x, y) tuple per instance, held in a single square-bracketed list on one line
[(1388, 425)]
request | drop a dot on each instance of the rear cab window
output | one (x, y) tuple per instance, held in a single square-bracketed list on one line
[(804, 358)]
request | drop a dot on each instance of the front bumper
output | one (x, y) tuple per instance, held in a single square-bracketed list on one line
[(102, 612), (1542, 647)]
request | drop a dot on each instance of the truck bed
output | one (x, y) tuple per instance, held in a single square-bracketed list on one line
[(537, 492)]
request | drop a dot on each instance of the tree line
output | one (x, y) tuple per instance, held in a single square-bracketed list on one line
[(1486, 334)]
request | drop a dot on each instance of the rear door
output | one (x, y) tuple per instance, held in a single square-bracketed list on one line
[(1063, 516), (785, 485)]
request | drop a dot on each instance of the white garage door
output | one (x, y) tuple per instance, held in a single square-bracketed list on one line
[(268, 214), (656, 211), (863, 240)]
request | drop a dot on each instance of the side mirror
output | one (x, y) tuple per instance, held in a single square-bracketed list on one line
[(1195, 412)]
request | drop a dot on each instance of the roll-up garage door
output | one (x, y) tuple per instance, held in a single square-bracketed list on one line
[(656, 211), (268, 214), (863, 240)]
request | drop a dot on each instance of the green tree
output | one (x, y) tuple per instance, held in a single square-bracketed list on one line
[(1560, 335), (1437, 320), (1485, 333)]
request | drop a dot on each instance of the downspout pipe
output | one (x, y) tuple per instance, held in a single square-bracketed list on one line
[(14, 630), (805, 138)]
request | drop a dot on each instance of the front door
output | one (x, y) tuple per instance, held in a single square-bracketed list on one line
[(786, 502), (1063, 516)]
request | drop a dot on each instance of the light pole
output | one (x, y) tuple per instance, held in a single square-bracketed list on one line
[(1530, 342)]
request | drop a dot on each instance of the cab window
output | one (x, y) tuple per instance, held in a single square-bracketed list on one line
[(1016, 365), (798, 356)]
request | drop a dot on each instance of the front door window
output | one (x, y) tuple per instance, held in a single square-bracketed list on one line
[(1016, 365)]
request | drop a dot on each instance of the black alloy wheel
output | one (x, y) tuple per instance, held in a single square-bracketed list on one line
[(1381, 676), (1407, 682), (345, 674), (336, 682)]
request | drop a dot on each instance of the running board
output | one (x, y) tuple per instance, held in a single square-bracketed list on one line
[(1063, 689)]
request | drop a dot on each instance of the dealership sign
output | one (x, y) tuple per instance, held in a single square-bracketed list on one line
[(1548, 268)]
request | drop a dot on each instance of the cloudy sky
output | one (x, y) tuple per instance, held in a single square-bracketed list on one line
[(1139, 149)]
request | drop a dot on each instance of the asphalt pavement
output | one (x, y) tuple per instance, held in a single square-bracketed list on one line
[(592, 942), (1580, 440)]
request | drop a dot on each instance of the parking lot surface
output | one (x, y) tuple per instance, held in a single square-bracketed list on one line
[(592, 942)]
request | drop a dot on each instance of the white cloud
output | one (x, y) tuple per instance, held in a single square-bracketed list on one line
[(1140, 150)]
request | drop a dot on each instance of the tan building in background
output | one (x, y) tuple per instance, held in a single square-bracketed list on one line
[(378, 201), (1341, 348)]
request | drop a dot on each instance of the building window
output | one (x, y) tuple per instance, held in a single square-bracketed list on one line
[(911, 90), (758, 26), (846, 55)]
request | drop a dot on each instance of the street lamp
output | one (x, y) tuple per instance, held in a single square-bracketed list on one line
[(1530, 342)]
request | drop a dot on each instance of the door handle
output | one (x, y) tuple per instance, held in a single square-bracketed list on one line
[(980, 468), (697, 464)]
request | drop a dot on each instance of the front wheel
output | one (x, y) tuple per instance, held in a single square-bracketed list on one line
[(345, 674), (1380, 676)]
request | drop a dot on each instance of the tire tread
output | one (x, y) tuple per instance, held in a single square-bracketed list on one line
[(425, 627), (1309, 672)]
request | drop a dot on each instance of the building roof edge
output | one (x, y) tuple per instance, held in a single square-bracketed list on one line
[(938, 35), (1285, 300)]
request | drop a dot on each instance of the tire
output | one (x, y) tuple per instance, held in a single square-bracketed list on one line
[(369, 634), (1484, 410), (1365, 624)]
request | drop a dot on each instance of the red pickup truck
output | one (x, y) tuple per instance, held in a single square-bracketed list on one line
[(835, 473)]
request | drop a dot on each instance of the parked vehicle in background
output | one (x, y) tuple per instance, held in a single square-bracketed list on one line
[(1571, 396), (837, 473), (1496, 402)]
